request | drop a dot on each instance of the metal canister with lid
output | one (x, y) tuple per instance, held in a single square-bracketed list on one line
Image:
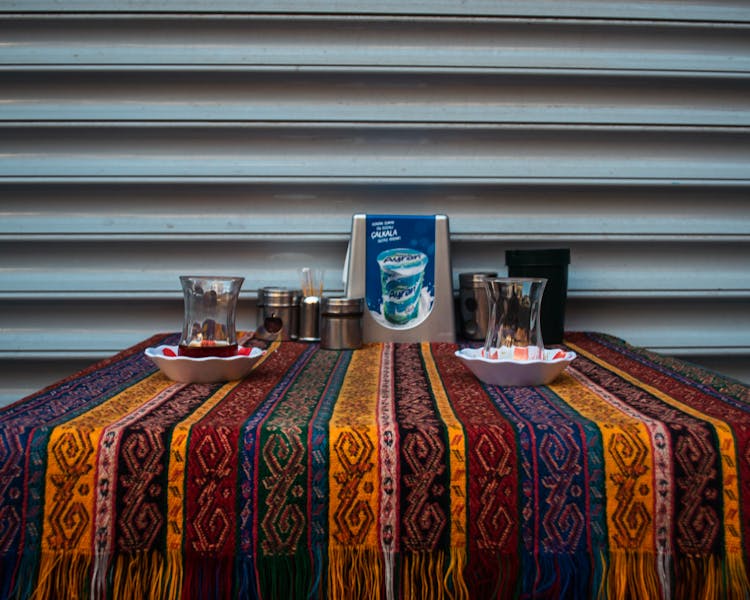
[(341, 323), (473, 305), (279, 317), (261, 302)]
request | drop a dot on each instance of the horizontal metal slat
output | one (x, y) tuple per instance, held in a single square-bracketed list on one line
[(40, 328), (706, 10), (657, 218), (374, 41), (137, 269), (289, 150), (109, 270), (77, 270), (699, 326), (90, 327), (377, 97), (313, 180), (307, 211), (616, 271)]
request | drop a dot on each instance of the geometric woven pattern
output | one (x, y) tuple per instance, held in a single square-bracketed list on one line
[(389, 471)]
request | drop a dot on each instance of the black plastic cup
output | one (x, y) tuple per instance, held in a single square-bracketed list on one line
[(552, 264)]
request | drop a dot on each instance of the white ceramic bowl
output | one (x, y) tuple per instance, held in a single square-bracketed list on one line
[(511, 372), (210, 369)]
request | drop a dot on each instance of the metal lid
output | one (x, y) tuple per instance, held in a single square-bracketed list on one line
[(342, 306), (474, 279), (281, 296), (262, 292)]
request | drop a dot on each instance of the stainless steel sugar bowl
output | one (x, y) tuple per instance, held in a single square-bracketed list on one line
[(341, 323)]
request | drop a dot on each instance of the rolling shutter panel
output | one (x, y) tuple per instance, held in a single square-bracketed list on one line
[(143, 140)]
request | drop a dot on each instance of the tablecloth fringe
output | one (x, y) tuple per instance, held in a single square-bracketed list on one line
[(354, 573), (633, 575), (283, 576), (364, 573), (62, 575), (711, 578), (360, 573)]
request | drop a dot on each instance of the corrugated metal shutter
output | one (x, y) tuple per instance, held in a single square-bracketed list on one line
[(141, 140)]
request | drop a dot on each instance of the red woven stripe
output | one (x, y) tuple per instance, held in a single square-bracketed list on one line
[(211, 486), (492, 466)]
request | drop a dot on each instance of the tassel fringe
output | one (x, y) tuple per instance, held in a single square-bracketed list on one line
[(423, 576), (354, 573), (207, 577), (62, 576), (368, 574), (285, 577), (711, 578), (454, 577), (492, 575), (633, 575), (738, 585), (555, 576)]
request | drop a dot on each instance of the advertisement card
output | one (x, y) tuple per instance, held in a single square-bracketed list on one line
[(400, 265), (400, 277)]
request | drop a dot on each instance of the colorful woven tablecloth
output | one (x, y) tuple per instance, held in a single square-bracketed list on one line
[(386, 472)]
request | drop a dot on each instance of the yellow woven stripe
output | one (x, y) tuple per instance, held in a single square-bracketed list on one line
[(458, 474), (354, 558), (730, 487), (178, 465), (353, 480), (628, 464), (70, 482), (457, 446)]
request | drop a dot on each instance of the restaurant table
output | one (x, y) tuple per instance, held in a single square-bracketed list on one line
[(385, 472)]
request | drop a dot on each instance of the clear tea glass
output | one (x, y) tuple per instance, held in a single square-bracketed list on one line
[(208, 328), (514, 328)]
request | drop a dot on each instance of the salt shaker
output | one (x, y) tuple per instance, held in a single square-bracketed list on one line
[(309, 319)]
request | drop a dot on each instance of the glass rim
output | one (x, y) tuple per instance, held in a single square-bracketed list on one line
[(214, 277), (517, 279)]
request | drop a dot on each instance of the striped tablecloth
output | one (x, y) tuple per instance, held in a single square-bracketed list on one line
[(385, 472)]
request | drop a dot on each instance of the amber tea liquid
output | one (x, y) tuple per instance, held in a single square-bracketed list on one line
[(204, 350)]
